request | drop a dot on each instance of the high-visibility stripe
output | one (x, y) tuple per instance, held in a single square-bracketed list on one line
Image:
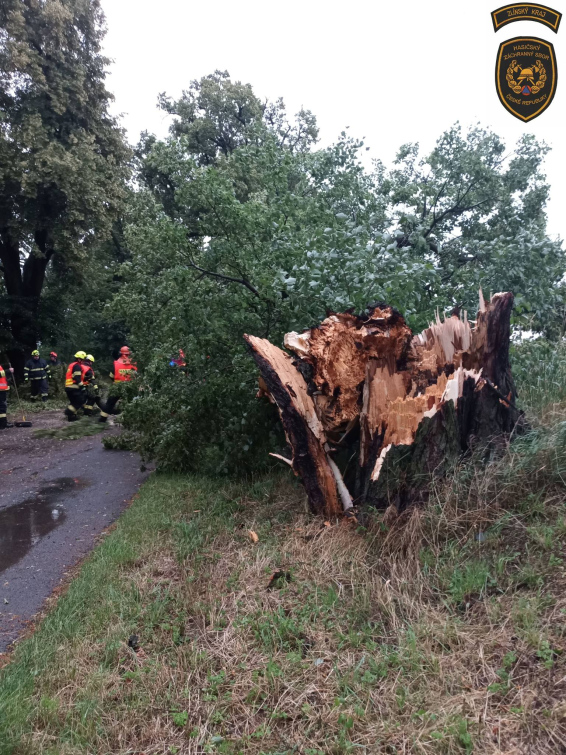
[(3, 381), (123, 371), (72, 371)]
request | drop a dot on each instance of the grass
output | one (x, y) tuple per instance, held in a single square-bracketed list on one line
[(440, 631), (411, 635)]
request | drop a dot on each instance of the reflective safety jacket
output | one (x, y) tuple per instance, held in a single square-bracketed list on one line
[(74, 376), (3, 382), (123, 370), (36, 369), (89, 379)]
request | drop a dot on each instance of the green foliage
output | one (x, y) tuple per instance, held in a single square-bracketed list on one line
[(241, 225), (63, 159), (72, 310), (539, 369), (479, 213)]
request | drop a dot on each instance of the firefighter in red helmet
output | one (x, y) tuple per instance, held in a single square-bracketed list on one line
[(57, 373), (123, 371)]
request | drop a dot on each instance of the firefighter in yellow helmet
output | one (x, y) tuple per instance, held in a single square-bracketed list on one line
[(75, 387), (91, 386), (36, 372)]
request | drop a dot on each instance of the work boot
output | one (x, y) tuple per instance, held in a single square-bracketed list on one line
[(4, 424), (102, 419), (71, 416), (44, 398)]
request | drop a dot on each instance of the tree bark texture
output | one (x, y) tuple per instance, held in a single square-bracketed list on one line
[(371, 412), (24, 284)]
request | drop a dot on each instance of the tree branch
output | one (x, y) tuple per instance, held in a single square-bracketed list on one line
[(241, 281)]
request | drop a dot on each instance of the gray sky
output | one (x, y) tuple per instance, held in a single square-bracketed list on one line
[(343, 61)]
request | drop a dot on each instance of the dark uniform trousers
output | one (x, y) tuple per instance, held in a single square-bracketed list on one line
[(3, 409), (92, 394), (77, 399), (39, 387), (110, 405)]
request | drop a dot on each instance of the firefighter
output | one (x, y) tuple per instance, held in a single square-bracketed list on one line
[(91, 386), (37, 373), (178, 361), (4, 388), (57, 374), (123, 371), (75, 387)]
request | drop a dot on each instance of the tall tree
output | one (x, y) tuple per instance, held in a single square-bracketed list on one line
[(63, 157), (212, 119), (267, 235)]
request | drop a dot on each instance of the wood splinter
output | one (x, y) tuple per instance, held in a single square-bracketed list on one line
[(404, 406)]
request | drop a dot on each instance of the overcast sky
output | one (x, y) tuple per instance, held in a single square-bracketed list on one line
[(392, 71)]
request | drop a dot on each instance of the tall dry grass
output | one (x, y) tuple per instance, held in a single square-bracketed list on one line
[(442, 630)]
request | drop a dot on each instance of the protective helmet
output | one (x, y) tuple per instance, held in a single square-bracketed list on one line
[(90, 358), (124, 350), (35, 353), (53, 354), (80, 355)]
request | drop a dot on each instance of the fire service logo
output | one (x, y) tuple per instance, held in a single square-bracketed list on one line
[(525, 76), (508, 14)]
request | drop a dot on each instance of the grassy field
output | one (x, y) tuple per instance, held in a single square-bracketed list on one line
[(439, 631)]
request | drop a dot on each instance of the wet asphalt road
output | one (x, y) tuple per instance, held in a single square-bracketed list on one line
[(54, 502)]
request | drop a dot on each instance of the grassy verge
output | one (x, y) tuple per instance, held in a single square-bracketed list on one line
[(440, 631)]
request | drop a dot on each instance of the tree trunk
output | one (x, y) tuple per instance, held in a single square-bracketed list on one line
[(406, 407), (23, 287)]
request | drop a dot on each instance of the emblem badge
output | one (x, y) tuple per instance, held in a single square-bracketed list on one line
[(525, 76), (526, 12)]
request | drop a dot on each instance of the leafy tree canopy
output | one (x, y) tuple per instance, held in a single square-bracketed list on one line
[(63, 159), (242, 224)]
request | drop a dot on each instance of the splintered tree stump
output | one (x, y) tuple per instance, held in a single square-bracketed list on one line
[(371, 412)]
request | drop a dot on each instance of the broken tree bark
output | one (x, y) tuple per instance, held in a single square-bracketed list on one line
[(404, 406)]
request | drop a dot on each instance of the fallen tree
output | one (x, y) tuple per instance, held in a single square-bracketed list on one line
[(372, 411)]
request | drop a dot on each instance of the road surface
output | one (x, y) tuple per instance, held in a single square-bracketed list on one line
[(56, 497)]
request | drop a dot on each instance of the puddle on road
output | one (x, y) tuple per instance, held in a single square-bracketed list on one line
[(25, 523)]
